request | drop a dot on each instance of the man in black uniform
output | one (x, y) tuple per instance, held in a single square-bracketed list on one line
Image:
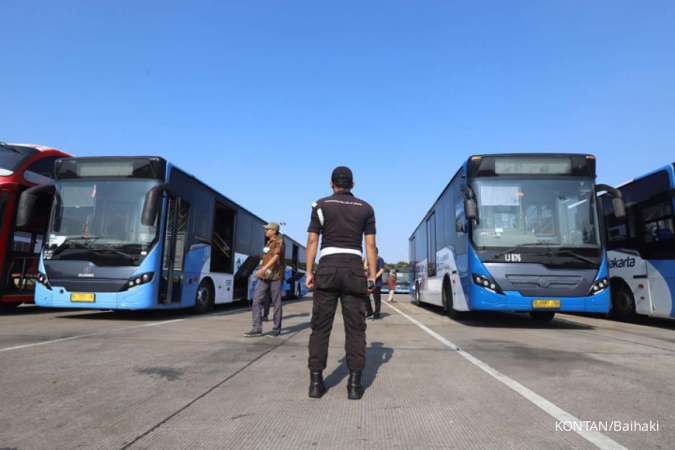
[(342, 220)]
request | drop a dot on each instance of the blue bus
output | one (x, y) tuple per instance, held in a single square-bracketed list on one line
[(515, 232), (132, 233), (641, 247)]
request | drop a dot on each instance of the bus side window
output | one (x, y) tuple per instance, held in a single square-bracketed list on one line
[(41, 171)]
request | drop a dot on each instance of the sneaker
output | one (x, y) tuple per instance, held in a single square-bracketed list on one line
[(265, 319), (253, 333), (376, 316), (275, 333)]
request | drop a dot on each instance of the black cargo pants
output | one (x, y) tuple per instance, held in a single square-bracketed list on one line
[(339, 277)]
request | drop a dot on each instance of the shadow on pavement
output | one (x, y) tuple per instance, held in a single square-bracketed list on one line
[(29, 309), (656, 322), (490, 319), (382, 316), (293, 316), (237, 307), (295, 328), (377, 355)]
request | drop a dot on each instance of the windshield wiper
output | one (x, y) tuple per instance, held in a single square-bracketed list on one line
[(68, 243), (116, 252), (576, 255)]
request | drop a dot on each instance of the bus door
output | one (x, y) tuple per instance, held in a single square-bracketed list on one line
[(175, 241), (24, 245)]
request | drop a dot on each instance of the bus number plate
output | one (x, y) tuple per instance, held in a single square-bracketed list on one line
[(546, 304), (84, 297)]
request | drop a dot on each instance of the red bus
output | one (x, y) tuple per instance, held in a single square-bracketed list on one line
[(21, 166)]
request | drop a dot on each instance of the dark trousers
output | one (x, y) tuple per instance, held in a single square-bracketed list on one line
[(263, 289), (339, 277), (377, 299)]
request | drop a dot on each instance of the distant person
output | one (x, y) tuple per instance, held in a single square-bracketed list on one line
[(342, 220), (270, 278), (377, 292), (369, 306), (391, 285)]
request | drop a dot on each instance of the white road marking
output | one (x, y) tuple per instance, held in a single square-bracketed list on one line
[(81, 336), (598, 439)]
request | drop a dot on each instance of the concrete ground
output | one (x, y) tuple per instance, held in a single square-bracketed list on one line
[(83, 379)]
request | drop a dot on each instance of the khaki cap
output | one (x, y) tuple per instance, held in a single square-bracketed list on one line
[(272, 226)]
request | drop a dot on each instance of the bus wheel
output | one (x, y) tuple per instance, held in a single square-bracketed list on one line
[(416, 296), (298, 290), (623, 303), (542, 316), (204, 298), (8, 307), (447, 301)]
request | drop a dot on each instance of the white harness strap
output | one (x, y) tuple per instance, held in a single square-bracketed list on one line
[(337, 250), (319, 212)]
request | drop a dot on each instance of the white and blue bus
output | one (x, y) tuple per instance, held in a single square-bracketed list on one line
[(641, 247), (132, 233), (515, 233)]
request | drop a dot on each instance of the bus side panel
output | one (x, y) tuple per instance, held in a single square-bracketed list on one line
[(662, 286), (632, 269), (196, 258), (448, 266)]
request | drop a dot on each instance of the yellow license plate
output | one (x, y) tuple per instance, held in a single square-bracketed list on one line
[(84, 297), (546, 304)]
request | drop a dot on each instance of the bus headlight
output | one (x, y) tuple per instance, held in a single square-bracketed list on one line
[(599, 285), (140, 279), (487, 283), (43, 280)]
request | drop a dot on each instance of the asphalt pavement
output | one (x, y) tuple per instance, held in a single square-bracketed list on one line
[(99, 379)]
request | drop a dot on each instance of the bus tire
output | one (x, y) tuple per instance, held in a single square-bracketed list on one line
[(298, 290), (623, 303), (542, 316), (416, 297), (448, 305), (204, 298), (8, 307)]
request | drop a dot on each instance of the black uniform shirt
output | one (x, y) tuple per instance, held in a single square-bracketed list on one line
[(346, 220)]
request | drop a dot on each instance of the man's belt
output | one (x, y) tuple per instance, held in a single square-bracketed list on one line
[(338, 251)]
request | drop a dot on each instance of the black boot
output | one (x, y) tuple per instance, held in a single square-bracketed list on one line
[(354, 388), (316, 386)]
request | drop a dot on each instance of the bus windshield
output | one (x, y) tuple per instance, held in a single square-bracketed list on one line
[(93, 216), (553, 212)]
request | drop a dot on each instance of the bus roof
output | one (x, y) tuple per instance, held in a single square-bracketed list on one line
[(218, 194), (668, 168), (536, 155), (40, 148)]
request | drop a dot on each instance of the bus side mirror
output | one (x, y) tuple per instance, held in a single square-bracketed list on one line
[(617, 199), (151, 205), (619, 207), (470, 209), (30, 202)]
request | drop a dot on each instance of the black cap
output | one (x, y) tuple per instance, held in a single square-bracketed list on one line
[(342, 177)]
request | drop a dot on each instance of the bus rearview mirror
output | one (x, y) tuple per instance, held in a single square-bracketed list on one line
[(31, 200), (470, 209), (619, 207), (617, 199), (151, 205)]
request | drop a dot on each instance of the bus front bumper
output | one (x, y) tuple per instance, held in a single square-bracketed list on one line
[(486, 300), (136, 298)]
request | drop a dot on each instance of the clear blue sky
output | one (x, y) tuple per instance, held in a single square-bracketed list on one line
[(263, 99)]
